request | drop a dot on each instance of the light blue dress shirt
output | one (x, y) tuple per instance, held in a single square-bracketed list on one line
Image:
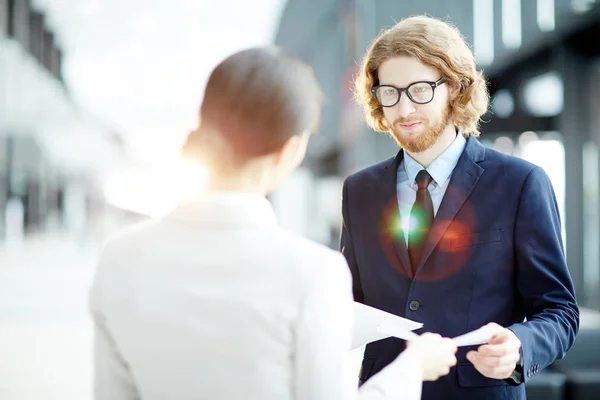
[(440, 170)]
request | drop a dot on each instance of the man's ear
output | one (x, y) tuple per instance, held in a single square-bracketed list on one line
[(454, 89)]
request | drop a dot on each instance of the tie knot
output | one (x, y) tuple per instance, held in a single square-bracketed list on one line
[(423, 179)]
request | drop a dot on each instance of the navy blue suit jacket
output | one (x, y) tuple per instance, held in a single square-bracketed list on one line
[(494, 254)]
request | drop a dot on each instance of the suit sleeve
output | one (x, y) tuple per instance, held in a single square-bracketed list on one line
[(347, 247), (113, 379), (543, 279)]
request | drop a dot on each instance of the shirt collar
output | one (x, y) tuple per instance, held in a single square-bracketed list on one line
[(441, 168), (227, 209)]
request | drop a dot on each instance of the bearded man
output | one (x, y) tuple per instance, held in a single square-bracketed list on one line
[(448, 232)]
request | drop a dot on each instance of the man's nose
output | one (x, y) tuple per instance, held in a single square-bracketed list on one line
[(405, 106)]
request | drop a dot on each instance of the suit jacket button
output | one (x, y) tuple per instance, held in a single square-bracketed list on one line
[(414, 305)]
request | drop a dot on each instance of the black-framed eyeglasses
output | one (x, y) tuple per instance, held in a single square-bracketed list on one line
[(421, 92)]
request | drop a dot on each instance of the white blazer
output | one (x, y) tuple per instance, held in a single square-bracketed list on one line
[(216, 302)]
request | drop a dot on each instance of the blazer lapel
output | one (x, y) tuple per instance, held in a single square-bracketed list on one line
[(465, 176), (389, 203)]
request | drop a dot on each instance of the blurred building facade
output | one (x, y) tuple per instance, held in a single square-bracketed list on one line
[(541, 59), (52, 155)]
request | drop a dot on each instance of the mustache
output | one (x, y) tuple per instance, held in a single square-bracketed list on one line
[(403, 121)]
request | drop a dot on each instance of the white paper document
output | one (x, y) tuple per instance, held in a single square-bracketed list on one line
[(478, 336), (372, 324)]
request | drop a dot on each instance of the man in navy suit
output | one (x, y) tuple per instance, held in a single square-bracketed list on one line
[(450, 233)]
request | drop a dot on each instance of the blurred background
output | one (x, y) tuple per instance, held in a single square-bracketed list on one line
[(96, 98)]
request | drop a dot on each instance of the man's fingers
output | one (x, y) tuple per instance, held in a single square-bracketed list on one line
[(501, 336), (493, 350), (498, 350), (504, 335), (498, 358), (493, 367), (509, 360), (495, 372)]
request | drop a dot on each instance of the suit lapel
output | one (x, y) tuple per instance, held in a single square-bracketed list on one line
[(389, 203), (465, 176)]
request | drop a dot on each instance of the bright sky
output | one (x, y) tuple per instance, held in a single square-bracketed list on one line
[(141, 65)]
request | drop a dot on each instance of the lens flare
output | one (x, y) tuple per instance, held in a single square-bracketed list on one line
[(452, 251)]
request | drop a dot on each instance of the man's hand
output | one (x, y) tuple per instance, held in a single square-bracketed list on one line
[(437, 354), (498, 358)]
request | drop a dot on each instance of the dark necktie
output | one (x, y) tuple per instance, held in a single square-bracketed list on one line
[(421, 219)]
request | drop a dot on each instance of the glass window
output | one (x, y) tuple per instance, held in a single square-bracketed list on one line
[(591, 225), (549, 154)]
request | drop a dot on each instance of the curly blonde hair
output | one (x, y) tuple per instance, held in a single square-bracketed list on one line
[(435, 43)]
